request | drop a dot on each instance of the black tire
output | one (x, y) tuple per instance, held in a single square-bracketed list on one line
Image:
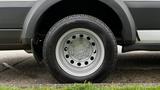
[(80, 21)]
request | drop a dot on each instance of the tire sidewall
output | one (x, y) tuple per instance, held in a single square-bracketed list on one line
[(78, 21)]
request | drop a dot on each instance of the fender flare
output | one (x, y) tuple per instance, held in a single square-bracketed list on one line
[(128, 32)]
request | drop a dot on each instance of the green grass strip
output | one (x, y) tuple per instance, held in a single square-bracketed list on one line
[(87, 86)]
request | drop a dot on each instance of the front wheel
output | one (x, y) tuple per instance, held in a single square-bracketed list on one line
[(80, 48)]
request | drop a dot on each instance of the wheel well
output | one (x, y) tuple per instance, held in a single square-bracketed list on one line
[(71, 7)]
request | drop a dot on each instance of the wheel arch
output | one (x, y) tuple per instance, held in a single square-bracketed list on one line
[(128, 30)]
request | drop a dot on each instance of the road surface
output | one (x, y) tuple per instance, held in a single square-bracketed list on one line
[(19, 67)]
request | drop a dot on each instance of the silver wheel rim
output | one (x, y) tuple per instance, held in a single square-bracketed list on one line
[(80, 52)]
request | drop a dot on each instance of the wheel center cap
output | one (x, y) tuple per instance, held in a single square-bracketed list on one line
[(80, 49)]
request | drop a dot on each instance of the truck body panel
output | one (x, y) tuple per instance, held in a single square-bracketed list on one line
[(119, 7), (12, 17), (18, 17), (146, 13)]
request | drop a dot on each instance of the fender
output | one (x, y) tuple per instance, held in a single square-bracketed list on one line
[(128, 32)]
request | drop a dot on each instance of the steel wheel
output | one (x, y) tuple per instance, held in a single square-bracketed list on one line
[(80, 52), (80, 48)]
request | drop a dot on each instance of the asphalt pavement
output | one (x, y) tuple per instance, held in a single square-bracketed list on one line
[(19, 67)]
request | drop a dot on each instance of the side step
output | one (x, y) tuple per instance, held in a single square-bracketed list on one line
[(142, 47)]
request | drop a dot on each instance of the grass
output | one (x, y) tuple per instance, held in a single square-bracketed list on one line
[(87, 86)]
